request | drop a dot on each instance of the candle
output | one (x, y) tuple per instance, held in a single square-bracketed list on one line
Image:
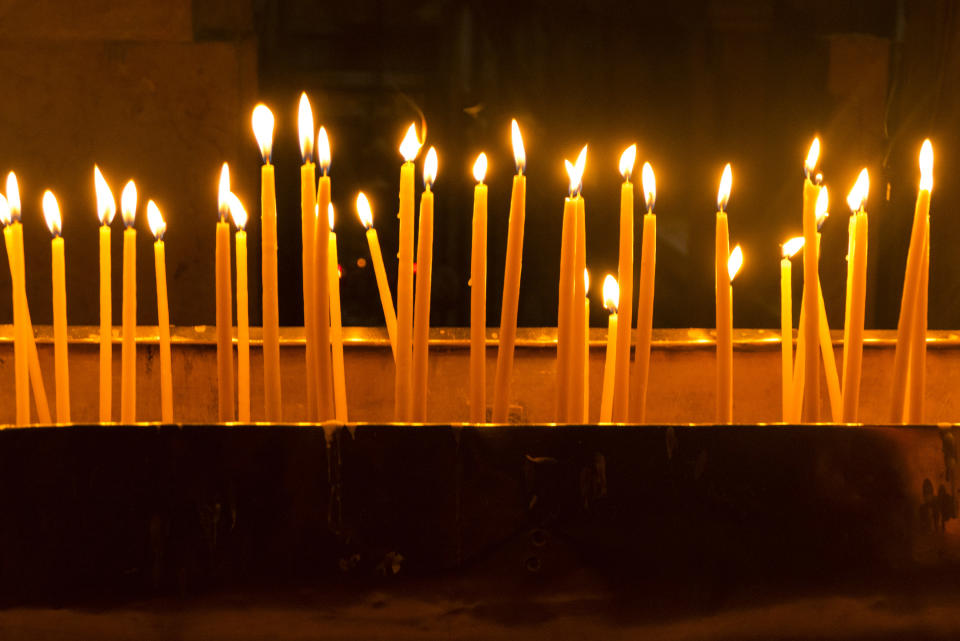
[(916, 378), (224, 303), (511, 280), (402, 400), (611, 301), (421, 313), (321, 285), (811, 403), (308, 193), (128, 347), (856, 299), (51, 213), (621, 388), (106, 210), (239, 215), (376, 256), (911, 285), (263, 130), (336, 326), (575, 403), (19, 336), (790, 248), (648, 264), (829, 363), (478, 296), (586, 347), (733, 266), (724, 303), (568, 241), (159, 228)]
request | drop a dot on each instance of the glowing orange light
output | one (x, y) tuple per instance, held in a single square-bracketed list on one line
[(480, 167), (735, 262), (158, 227), (519, 153), (51, 212), (627, 160), (364, 211), (128, 203), (726, 182), (262, 120), (410, 146), (611, 294), (792, 246), (106, 204), (305, 122), (858, 195)]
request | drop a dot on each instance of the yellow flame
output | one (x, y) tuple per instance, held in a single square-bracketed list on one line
[(627, 160), (223, 194), (812, 156), (823, 203), (792, 246), (237, 211), (4, 211), (13, 196), (305, 121), (330, 215), (926, 165), (649, 185), (51, 212), (364, 211), (263, 130), (581, 164), (586, 280), (734, 262), (323, 150), (430, 167), (726, 181), (858, 195), (611, 293), (519, 153), (128, 203), (106, 203), (158, 227), (480, 167), (410, 146)]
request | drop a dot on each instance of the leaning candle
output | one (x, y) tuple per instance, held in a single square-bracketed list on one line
[(158, 228), (239, 215), (336, 324), (308, 194), (128, 347), (568, 239), (579, 327), (321, 286), (856, 299), (811, 403), (376, 256), (224, 303), (263, 129), (478, 296), (402, 399), (586, 348), (621, 393), (511, 281), (22, 389), (724, 302), (790, 248), (106, 210), (648, 264), (916, 379), (611, 300), (421, 312), (51, 213)]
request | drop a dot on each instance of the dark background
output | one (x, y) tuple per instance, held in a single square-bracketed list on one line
[(162, 92)]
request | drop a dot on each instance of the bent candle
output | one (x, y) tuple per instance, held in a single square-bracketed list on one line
[(380, 272)]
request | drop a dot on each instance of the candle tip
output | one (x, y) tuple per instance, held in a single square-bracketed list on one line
[(519, 152), (410, 146), (158, 227), (223, 194), (611, 294), (726, 182), (792, 246), (812, 156), (926, 165), (4, 211), (106, 204), (263, 123), (364, 211), (430, 168), (323, 150), (305, 122), (237, 211), (480, 167), (649, 181), (858, 195), (13, 196), (51, 212), (627, 160), (128, 203)]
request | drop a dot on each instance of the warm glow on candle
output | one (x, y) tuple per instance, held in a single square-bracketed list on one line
[(519, 153), (106, 204), (51, 212), (410, 146), (323, 151), (926, 165), (586, 281), (792, 246), (735, 262), (128, 203), (330, 215), (812, 157), (4, 211), (726, 181), (263, 130), (823, 203), (858, 195), (611, 294), (364, 211), (575, 171), (480, 167), (237, 211), (13, 196), (430, 168), (223, 195), (649, 181), (627, 160), (155, 220), (305, 121)]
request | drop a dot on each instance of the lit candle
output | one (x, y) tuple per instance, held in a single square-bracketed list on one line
[(159, 228), (611, 301), (811, 278), (856, 299), (19, 335), (224, 303), (724, 309), (321, 285), (421, 313), (790, 248), (621, 393), (336, 325), (376, 256), (402, 400), (911, 286), (128, 346), (648, 266), (917, 373), (478, 296), (308, 194), (578, 363), (263, 130), (568, 240), (51, 213), (511, 281), (106, 210), (239, 215), (585, 416)]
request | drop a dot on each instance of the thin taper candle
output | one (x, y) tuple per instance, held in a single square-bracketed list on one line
[(106, 210), (790, 248), (403, 399), (621, 388), (811, 277), (336, 325), (308, 195), (478, 296), (568, 240), (128, 347), (158, 228), (321, 286), (51, 212), (856, 300), (380, 273), (724, 302), (21, 375), (648, 263), (421, 312), (579, 328), (225, 390), (239, 215), (611, 300)]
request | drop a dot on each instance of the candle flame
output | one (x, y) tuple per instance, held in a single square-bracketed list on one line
[(734, 262), (627, 160), (323, 150), (792, 246), (13, 196), (237, 211), (263, 130), (480, 167), (4, 211), (575, 172), (430, 168), (926, 165), (128, 203), (223, 195), (812, 157), (106, 204), (519, 153), (158, 227), (726, 181), (410, 146), (330, 215), (649, 181), (611, 294), (586, 280), (305, 121), (858, 195), (823, 202), (364, 211), (51, 212)]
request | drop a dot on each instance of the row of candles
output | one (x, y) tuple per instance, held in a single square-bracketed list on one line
[(624, 389)]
